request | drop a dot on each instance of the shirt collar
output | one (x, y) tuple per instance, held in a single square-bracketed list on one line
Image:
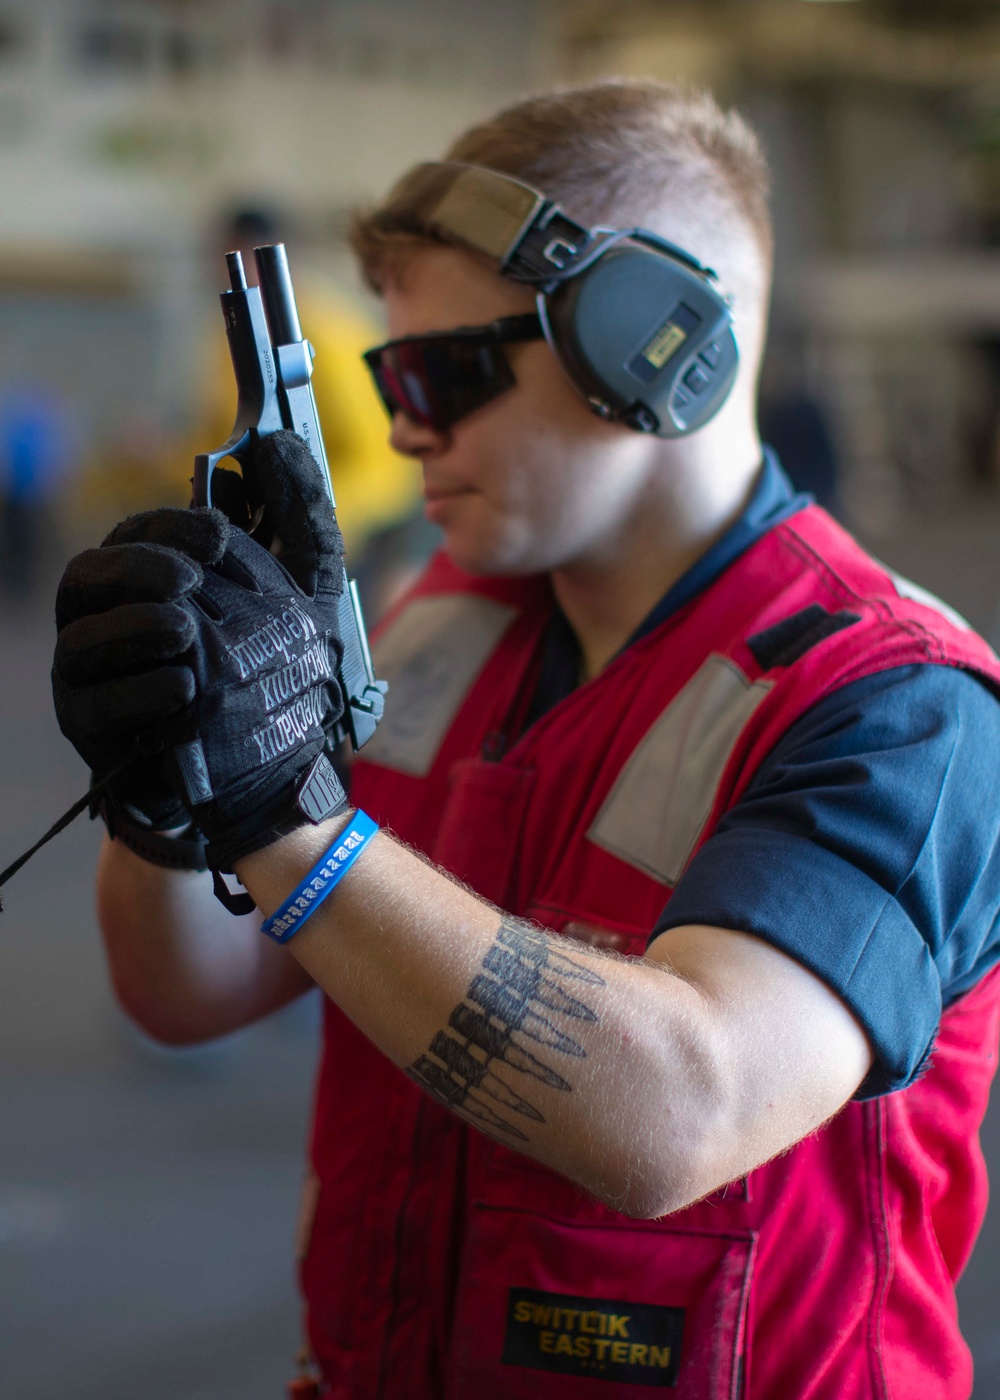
[(774, 499)]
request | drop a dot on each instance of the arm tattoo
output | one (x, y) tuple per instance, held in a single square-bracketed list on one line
[(526, 987)]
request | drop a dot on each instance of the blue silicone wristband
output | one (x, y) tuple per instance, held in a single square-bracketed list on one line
[(324, 877)]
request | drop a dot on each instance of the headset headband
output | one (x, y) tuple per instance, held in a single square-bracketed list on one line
[(518, 227)]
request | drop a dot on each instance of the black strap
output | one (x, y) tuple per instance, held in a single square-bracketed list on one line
[(230, 899), (786, 641), (87, 800), (185, 851)]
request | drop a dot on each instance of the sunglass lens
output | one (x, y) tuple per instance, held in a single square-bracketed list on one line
[(436, 381)]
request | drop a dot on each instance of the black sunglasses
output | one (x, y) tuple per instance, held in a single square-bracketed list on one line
[(438, 378)]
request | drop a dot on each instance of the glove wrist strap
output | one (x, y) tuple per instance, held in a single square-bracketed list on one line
[(186, 851), (317, 797)]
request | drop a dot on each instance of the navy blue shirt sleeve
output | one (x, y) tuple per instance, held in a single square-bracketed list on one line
[(866, 847)]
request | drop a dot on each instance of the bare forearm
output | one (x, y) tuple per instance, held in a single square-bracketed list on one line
[(572, 1057), (182, 967)]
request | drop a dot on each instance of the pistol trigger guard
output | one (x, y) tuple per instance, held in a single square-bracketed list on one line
[(205, 464)]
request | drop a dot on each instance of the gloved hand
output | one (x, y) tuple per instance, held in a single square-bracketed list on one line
[(230, 662), (118, 674)]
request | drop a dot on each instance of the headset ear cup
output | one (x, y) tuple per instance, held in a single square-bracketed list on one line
[(563, 334), (645, 339)]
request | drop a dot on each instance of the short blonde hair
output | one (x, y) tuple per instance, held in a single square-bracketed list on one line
[(615, 153)]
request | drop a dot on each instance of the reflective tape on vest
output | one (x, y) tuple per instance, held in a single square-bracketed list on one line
[(655, 813), (916, 593), (431, 655)]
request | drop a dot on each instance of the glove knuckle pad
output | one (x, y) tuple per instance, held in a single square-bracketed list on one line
[(201, 534)]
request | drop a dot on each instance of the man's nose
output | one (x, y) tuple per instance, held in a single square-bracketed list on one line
[(414, 439)]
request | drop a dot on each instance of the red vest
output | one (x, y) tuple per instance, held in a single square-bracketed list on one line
[(444, 1265)]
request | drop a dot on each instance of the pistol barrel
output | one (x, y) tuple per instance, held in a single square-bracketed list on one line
[(237, 277), (279, 298)]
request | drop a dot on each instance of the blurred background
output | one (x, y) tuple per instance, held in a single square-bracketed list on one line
[(147, 1198)]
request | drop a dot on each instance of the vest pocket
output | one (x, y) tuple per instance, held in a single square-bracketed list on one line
[(555, 1310), (482, 826)]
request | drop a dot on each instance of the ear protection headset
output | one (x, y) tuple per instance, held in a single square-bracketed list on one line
[(638, 324)]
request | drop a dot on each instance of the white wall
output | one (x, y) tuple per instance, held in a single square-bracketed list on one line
[(309, 105), (316, 104)]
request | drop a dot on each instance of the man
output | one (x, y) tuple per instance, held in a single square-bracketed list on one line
[(649, 1100)]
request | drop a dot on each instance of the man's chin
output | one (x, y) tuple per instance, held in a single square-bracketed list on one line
[(492, 560)]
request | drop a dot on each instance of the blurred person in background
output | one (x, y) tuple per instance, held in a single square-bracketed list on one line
[(39, 450), (681, 1085)]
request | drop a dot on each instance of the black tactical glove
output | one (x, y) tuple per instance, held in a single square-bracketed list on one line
[(117, 674), (183, 631)]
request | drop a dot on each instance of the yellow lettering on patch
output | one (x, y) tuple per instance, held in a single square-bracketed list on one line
[(596, 1338)]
